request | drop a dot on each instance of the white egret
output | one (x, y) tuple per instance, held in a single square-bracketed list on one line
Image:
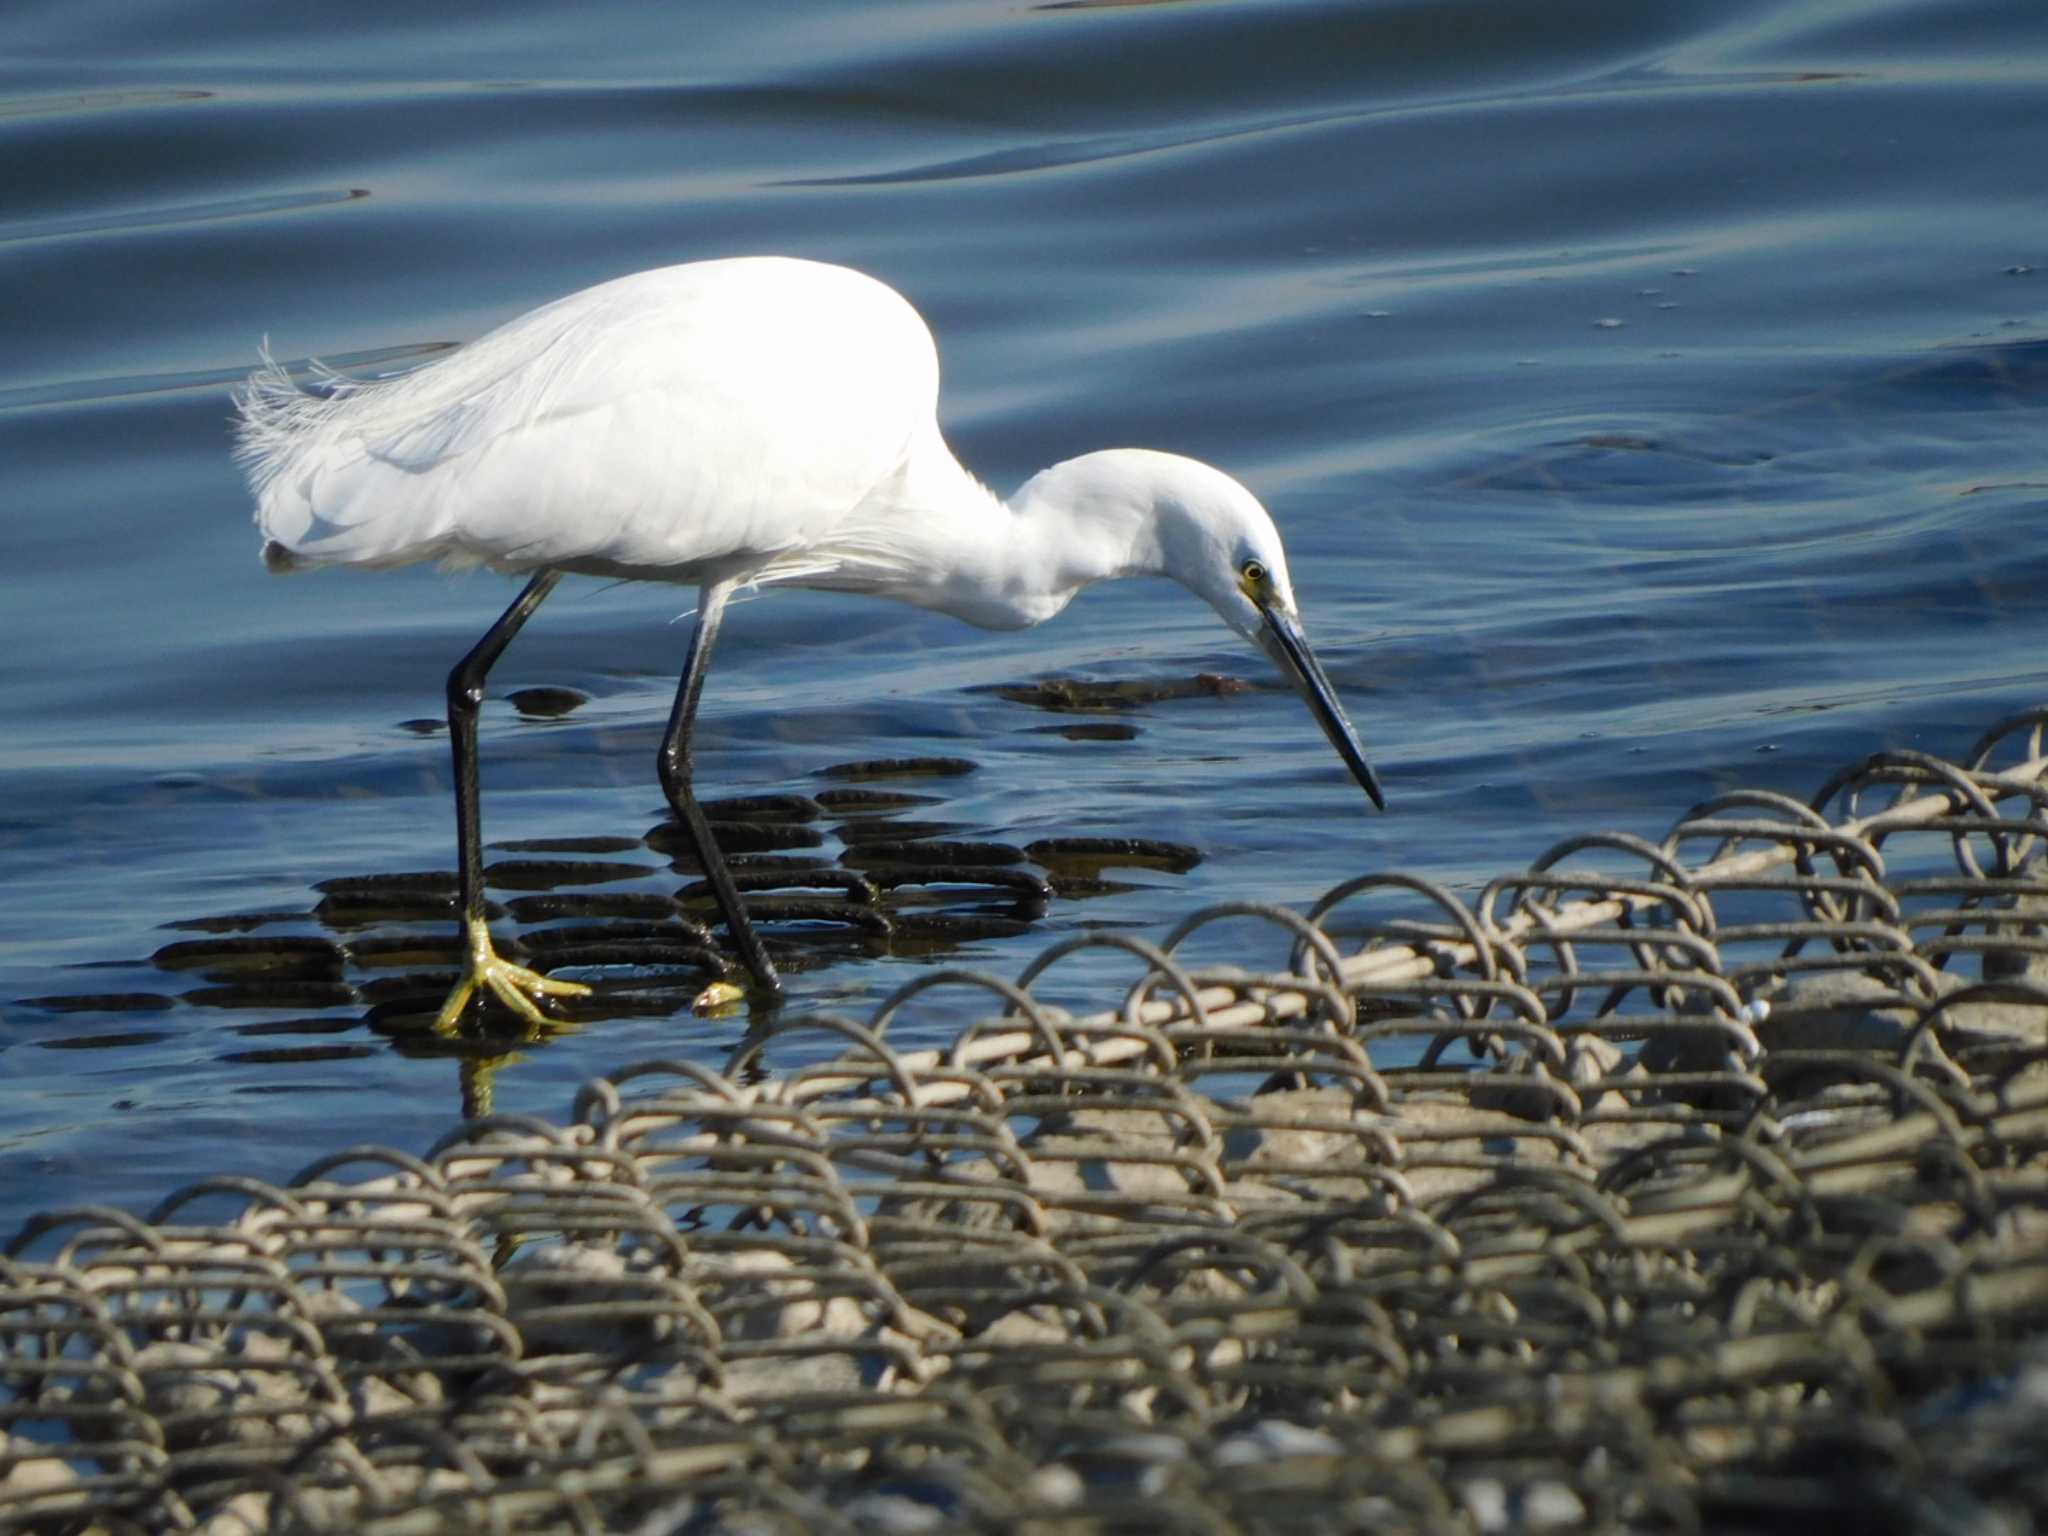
[(756, 421)]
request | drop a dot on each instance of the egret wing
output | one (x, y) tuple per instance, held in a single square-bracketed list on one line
[(716, 416)]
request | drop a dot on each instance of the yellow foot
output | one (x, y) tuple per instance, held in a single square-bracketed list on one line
[(513, 985), (716, 996)]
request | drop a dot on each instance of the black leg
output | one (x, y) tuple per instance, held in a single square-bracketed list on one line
[(675, 769), (465, 698)]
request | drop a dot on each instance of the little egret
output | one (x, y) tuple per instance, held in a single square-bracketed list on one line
[(756, 421)]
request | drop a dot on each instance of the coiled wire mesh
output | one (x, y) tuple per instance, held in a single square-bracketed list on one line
[(1678, 1185)]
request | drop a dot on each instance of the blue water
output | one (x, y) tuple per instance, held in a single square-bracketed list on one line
[(1653, 398)]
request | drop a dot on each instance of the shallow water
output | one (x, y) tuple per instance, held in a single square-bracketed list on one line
[(1653, 399)]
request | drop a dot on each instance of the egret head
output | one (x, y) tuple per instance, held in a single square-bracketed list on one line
[(1216, 540)]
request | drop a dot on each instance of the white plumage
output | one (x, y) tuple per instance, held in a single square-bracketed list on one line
[(642, 427), (755, 420)]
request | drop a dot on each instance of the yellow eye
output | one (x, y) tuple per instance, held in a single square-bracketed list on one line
[(1254, 573)]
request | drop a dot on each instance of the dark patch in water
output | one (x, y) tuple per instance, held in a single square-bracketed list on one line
[(544, 942), (568, 845), (900, 768), (548, 874), (1087, 854), (277, 994), (420, 992), (860, 834), (368, 908), (1083, 887), (546, 703), (440, 947), (761, 808), (906, 888), (104, 1042), (282, 957), (675, 951), (1070, 693), (438, 882), (857, 802), (234, 922), (296, 1055), (589, 904), (1091, 730), (102, 1002), (327, 1025), (931, 855), (733, 838), (768, 863)]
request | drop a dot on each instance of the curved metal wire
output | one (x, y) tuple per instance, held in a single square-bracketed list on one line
[(1237, 1251)]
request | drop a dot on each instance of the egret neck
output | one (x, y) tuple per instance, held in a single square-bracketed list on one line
[(1012, 564)]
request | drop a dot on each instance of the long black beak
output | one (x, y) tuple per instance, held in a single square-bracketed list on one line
[(1289, 646)]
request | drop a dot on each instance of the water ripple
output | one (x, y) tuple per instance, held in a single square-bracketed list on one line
[(73, 392), (190, 213), (96, 103)]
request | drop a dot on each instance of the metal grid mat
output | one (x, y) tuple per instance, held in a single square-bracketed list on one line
[(1688, 1185)]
